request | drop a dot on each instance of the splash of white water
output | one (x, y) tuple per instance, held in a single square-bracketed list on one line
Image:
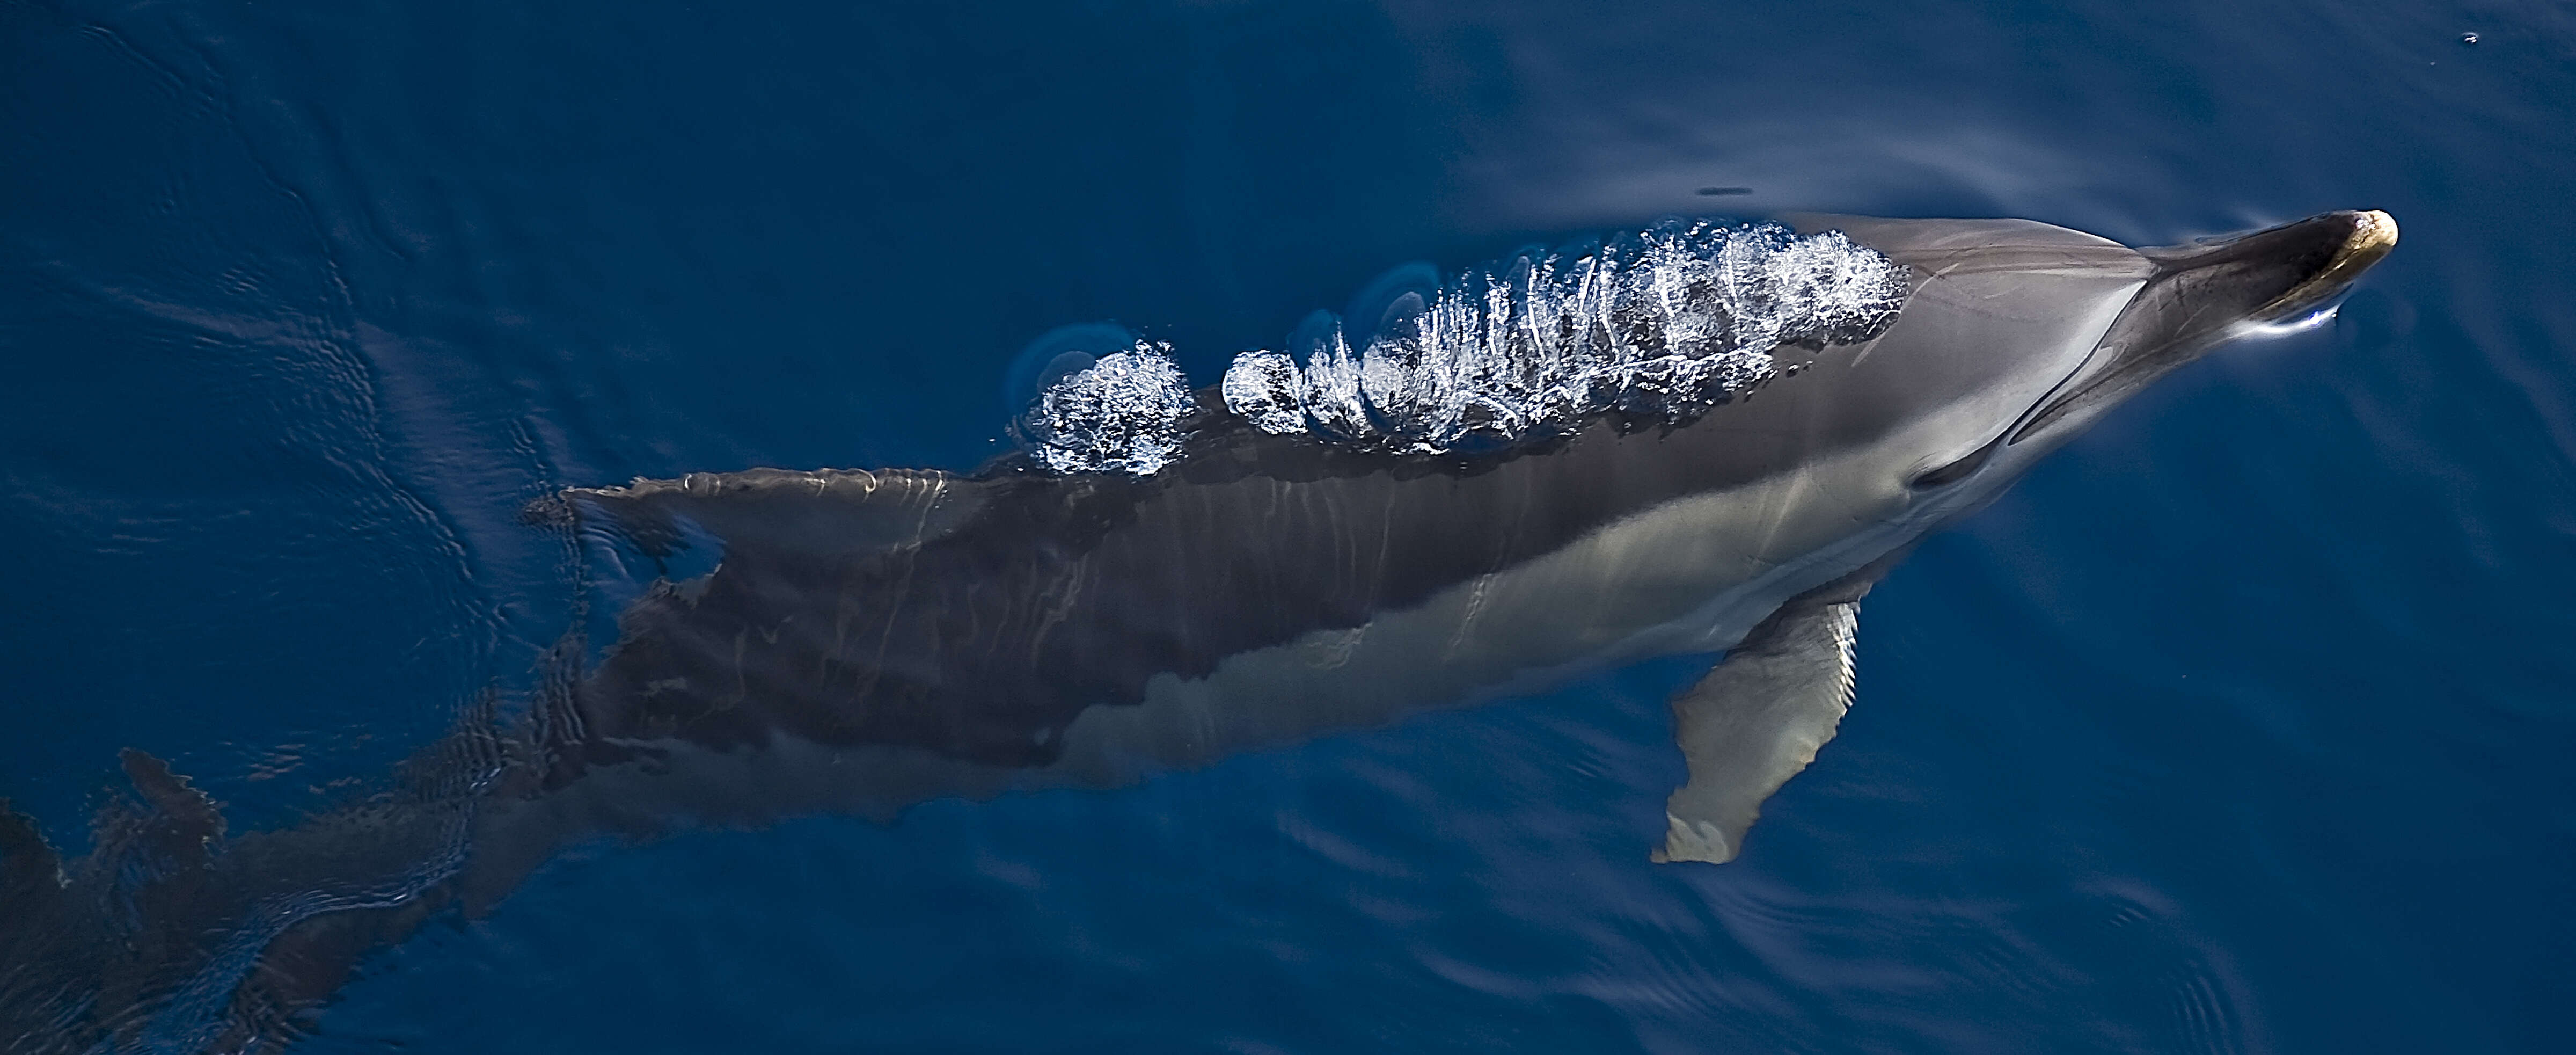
[(1120, 414), (1659, 324), (1664, 323)]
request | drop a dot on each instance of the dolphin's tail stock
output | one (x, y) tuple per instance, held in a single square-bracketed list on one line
[(171, 936)]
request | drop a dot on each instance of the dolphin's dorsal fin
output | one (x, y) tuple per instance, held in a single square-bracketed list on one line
[(817, 513), (1754, 722)]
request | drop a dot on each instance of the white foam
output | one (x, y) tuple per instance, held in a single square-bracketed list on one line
[(1266, 390), (1659, 324), (1120, 414), (1665, 323)]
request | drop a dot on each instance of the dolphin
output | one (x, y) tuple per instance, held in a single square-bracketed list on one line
[(869, 640)]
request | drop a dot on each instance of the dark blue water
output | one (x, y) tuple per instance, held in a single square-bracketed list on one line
[(2248, 723)]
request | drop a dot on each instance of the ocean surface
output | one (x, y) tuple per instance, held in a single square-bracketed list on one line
[(2247, 723)]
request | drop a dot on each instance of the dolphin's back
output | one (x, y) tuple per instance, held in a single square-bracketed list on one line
[(978, 617)]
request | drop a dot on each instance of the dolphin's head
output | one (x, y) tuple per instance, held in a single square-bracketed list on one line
[(2205, 294), (2019, 335)]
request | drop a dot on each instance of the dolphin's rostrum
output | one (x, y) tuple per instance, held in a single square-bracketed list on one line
[(870, 640)]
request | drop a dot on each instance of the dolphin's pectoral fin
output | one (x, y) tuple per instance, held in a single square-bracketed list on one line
[(1754, 722)]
